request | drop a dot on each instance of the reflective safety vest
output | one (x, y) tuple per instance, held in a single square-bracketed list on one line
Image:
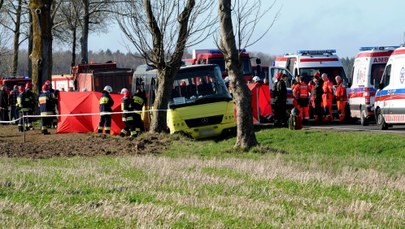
[(341, 93), (106, 103), (127, 107), (303, 90), (46, 103)]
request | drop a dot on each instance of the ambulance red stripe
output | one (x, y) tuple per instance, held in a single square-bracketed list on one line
[(374, 54), (399, 51), (318, 59)]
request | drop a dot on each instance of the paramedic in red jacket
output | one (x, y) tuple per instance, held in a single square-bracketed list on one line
[(341, 98), (327, 97), (301, 95)]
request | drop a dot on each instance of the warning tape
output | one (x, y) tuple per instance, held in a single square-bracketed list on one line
[(83, 114)]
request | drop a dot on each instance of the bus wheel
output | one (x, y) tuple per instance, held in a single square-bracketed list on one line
[(382, 125), (363, 119)]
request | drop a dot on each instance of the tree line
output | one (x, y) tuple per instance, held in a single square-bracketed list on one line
[(62, 61)]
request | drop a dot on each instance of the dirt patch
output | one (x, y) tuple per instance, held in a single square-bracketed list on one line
[(37, 145)]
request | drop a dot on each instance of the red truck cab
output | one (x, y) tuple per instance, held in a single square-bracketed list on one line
[(215, 56)]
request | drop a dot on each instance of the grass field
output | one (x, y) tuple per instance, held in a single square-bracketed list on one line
[(298, 179)]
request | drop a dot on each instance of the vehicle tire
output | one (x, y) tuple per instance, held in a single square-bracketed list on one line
[(363, 119), (381, 124)]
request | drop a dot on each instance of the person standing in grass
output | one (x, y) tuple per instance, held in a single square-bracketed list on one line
[(127, 107), (106, 103), (46, 107), (3, 104), (139, 100)]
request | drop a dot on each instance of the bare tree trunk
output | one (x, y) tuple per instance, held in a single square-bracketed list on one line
[(73, 61), (84, 40), (158, 122), (41, 55), (16, 41), (166, 70), (30, 41), (246, 137)]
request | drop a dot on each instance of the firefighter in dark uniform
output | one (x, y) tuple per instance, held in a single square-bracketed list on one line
[(46, 104), (26, 106), (280, 101), (55, 94), (128, 115), (106, 103), (139, 100)]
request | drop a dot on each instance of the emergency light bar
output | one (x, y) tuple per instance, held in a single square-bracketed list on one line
[(378, 48), (316, 52)]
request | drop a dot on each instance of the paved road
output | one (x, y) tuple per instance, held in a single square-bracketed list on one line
[(372, 127)]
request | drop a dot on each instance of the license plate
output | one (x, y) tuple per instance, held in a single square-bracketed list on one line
[(206, 132)]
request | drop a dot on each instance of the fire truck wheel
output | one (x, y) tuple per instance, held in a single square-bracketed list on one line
[(382, 125)]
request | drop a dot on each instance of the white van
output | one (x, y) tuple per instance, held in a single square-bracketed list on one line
[(389, 105), (368, 68)]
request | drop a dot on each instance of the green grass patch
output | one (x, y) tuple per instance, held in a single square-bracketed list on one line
[(308, 178)]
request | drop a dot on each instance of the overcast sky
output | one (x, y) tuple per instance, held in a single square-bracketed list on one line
[(344, 25)]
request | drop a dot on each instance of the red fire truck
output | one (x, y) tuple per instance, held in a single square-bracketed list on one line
[(215, 56)]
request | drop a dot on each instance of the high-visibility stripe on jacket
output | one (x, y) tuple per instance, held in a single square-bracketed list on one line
[(127, 106), (303, 90), (106, 103), (341, 92), (46, 103)]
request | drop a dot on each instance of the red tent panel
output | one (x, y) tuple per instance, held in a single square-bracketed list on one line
[(261, 101), (85, 103)]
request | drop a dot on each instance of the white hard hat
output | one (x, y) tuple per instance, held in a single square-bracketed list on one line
[(226, 79), (108, 89), (256, 79), (123, 90)]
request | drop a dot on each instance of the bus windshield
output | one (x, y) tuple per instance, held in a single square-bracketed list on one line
[(307, 73), (198, 85)]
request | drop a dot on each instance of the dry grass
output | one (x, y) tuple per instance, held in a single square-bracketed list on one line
[(149, 191)]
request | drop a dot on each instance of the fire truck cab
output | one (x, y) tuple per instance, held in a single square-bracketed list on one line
[(368, 68), (215, 56), (9, 82), (389, 104)]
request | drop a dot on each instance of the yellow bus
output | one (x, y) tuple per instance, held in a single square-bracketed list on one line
[(200, 105)]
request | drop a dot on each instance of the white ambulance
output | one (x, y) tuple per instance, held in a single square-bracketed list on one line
[(389, 104), (368, 68)]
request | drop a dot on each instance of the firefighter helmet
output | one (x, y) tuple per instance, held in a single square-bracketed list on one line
[(126, 93), (108, 89), (28, 85), (124, 90)]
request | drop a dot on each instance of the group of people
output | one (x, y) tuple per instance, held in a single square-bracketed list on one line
[(20, 103), (131, 107), (316, 96)]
